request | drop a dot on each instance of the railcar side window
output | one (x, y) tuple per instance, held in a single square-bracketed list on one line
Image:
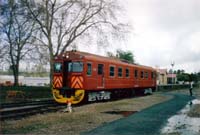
[(142, 74), (152, 75), (100, 69), (136, 73), (57, 67), (112, 71), (146, 74), (89, 69), (127, 72), (75, 67), (119, 72)]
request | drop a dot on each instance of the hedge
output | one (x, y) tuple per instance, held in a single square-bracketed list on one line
[(174, 86), (29, 92)]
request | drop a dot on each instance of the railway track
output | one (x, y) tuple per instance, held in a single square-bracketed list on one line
[(18, 104), (20, 110), (23, 109)]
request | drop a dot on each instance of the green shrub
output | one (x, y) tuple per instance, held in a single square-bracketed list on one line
[(173, 87)]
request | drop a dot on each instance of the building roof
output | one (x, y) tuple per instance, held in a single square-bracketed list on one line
[(162, 71), (171, 75)]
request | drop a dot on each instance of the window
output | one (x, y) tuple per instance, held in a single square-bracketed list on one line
[(119, 72), (142, 74), (136, 73), (89, 69), (100, 69), (112, 71), (146, 74), (75, 67), (127, 72), (57, 67), (153, 75)]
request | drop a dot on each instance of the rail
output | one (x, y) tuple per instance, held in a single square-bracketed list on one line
[(25, 103), (19, 110)]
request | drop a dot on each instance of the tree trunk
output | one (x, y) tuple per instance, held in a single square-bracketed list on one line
[(16, 74), (51, 63), (51, 72), (16, 80)]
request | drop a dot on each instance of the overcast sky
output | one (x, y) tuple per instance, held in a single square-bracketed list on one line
[(164, 31)]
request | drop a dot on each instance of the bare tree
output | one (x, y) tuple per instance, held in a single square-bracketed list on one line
[(2, 51), (64, 22), (16, 30)]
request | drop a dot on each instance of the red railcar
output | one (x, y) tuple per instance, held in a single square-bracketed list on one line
[(79, 75)]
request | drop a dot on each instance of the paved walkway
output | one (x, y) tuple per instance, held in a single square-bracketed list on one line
[(147, 122)]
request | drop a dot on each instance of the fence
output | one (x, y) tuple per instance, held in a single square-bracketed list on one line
[(174, 86)]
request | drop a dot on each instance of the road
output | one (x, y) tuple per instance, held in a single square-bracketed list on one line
[(146, 122)]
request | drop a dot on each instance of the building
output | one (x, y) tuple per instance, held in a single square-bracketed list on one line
[(171, 78), (162, 76), (8, 80)]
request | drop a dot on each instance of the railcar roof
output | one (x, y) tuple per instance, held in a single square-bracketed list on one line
[(111, 60)]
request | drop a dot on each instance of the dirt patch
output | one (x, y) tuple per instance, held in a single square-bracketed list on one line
[(195, 111), (83, 118), (123, 113)]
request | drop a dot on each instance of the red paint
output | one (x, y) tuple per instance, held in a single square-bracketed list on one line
[(97, 81)]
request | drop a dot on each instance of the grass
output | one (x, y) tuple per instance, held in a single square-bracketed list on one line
[(83, 118)]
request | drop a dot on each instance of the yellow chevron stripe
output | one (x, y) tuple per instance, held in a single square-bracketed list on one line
[(77, 82), (57, 81)]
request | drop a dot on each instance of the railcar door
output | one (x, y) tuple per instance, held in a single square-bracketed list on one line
[(136, 77), (65, 75), (100, 76)]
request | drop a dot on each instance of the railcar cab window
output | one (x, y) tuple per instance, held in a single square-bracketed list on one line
[(89, 69), (119, 72), (127, 72), (75, 67), (112, 71), (57, 67)]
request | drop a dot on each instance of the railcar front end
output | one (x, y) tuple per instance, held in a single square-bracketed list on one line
[(68, 81)]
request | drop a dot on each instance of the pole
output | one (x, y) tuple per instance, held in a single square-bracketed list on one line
[(172, 64)]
